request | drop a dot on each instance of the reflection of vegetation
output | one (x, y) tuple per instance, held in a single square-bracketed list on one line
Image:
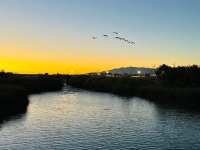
[(14, 90), (13, 100), (152, 88), (122, 85)]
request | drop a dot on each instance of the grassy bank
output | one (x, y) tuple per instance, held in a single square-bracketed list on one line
[(150, 88), (14, 91), (13, 100)]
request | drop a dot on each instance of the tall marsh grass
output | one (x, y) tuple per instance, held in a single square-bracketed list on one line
[(150, 88), (14, 90)]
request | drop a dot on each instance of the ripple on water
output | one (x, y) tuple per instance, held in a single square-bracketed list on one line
[(80, 119)]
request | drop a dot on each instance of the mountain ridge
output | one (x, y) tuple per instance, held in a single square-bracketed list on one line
[(132, 70)]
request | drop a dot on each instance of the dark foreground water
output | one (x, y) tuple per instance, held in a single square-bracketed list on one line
[(79, 119)]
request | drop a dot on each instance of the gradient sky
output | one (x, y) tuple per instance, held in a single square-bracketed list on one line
[(38, 36)]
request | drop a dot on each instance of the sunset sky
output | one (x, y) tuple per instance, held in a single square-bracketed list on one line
[(54, 36)]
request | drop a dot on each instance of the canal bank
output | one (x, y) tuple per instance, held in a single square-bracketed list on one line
[(150, 87)]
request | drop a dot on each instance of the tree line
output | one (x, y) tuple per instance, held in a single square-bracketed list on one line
[(181, 76)]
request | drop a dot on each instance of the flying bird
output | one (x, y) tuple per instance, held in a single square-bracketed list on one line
[(94, 37), (116, 32), (105, 35), (133, 42), (117, 37)]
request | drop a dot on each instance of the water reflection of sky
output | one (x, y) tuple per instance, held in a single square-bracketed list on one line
[(81, 119)]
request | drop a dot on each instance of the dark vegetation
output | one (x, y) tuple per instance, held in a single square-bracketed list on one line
[(180, 76), (14, 90), (180, 85)]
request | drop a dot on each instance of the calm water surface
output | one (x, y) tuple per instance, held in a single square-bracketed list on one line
[(79, 119)]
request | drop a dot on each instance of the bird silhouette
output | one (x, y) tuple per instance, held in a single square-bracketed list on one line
[(133, 42), (117, 37), (116, 32)]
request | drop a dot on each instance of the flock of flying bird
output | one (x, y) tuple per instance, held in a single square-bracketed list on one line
[(119, 38)]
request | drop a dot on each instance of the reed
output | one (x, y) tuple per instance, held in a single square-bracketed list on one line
[(14, 91), (150, 88)]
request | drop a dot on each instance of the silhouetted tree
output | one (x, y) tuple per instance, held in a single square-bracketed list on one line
[(163, 71), (180, 76)]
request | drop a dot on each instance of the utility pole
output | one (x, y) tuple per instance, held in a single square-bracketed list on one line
[(174, 64), (154, 68)]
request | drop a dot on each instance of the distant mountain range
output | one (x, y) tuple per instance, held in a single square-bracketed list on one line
[(132, 70)]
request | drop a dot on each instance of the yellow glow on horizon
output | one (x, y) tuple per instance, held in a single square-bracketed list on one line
[(59, 41), (32, 67), (45, 57), (33, 59)]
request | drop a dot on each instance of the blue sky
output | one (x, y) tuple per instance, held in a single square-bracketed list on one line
[(164, 31)]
